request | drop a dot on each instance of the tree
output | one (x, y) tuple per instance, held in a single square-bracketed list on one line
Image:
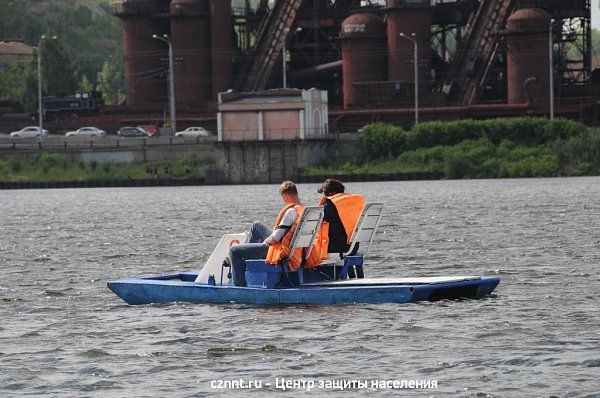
[(57, 68), (595, 45), (108, 83), (85, 84), (19, 84)]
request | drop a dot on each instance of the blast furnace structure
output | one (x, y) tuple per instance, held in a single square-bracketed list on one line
[(477, 58)]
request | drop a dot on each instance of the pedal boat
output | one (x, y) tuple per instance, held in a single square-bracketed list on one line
[(337, 281)]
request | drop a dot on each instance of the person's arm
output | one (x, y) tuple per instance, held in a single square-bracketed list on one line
[(284, 226)]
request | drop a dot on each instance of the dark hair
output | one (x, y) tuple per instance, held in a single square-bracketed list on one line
[(288, 187), (331, 186)]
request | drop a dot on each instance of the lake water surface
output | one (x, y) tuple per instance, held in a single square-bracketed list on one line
[(63, 333)]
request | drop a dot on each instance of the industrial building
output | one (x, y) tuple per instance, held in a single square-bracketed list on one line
[(272, 115), (476, 58)]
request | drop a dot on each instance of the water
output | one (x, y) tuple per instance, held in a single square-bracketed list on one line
[(63, 333)]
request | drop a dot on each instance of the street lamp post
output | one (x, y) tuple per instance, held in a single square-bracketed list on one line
[(413, 38), (286, 32), (165, 38), (40, 103), (551, 66)]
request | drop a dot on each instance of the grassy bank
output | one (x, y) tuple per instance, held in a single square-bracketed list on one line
[(57, 167), (523, 147)]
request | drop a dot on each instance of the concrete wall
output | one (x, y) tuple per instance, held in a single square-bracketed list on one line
[(269, 162), (235, 162)]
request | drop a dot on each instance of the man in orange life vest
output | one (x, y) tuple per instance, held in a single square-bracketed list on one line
[(341, 213), (272, 245)]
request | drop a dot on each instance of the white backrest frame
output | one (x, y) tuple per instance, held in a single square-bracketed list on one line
[(366, 227), (307, 229)]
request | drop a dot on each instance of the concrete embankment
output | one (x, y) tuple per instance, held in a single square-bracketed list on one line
[(163, 182), (234, 162)]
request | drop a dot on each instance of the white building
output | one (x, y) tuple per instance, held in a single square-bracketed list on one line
[(273, 115)]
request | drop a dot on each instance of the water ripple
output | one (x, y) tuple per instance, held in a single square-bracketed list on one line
[(65, 333)]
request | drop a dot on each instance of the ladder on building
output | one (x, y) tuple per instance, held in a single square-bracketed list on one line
[(272, 33), (476, 54)]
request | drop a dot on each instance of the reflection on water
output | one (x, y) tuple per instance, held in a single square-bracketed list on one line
[(63, 332)]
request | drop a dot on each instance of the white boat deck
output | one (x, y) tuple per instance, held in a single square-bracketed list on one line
[(396, 281)]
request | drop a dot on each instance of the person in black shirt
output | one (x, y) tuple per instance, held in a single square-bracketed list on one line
[(341, 212), (338, 239)]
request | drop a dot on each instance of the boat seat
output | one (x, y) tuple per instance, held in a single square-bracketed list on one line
[(260, 274), (365, 229), (361, 239)]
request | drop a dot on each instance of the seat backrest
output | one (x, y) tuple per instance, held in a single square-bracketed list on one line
[(306, 231), (365, 229)]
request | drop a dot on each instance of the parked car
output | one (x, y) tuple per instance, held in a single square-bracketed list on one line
[(151, 129), (133, 132), (29, 132), (193, 132), (86, 132)]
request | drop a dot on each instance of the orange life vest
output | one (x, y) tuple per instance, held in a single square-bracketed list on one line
[(349, 207), (281, 250)]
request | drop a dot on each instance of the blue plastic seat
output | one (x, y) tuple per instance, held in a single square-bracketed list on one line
[(260, 274)]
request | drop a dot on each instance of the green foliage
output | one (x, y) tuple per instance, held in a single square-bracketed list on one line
[(523, 147), (431, 159), (109, 83), (59, 167), (457, 166), (382, 141), (57, 69), (87, 31), (525, 131), (579, 155), (85, 84), (191, 166), (595, 43), (19, 84), (16, 166)]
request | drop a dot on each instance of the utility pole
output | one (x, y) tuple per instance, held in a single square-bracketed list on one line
[(286, 32), (551, 66), (40, 103), (165, 38), (413, 38)]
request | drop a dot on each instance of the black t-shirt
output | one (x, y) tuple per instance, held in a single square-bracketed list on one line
[(337, 233)]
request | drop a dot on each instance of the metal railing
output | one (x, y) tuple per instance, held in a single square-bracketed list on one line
[(113, 142), (110, 142), (286, 134)]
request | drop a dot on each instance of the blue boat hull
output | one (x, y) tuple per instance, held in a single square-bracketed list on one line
[(181, 287)]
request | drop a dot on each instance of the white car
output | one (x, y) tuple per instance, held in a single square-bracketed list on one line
[(29, 132), (193, 132), (86, 132)]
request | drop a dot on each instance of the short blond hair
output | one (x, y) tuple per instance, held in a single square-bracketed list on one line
[(288, 187)]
